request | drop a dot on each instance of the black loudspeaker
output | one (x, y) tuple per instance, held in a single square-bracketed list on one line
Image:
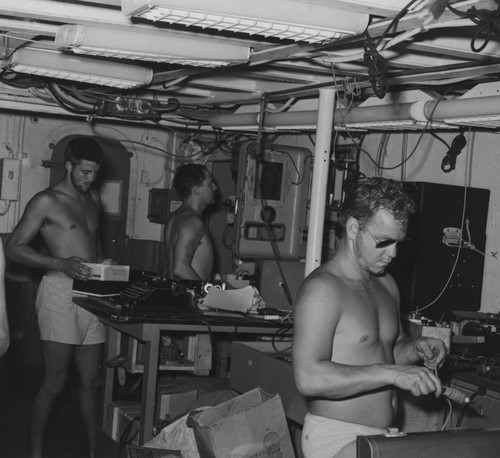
[(435, 444), (427, 269)]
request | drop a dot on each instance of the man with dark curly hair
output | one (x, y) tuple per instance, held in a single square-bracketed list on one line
[(66, 215), (189, 250), (349, 350)]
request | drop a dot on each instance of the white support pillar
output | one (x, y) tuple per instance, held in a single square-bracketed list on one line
[(320, 177)]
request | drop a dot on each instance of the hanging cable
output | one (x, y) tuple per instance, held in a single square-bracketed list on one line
[(488, 24), (449, 161), (377, 68)]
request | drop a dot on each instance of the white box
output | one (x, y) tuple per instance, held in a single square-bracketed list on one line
[(120, 415), (173, 400), (109, 272)]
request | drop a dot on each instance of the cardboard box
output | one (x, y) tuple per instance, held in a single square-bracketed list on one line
[(174, 400), (252, 425), (109, 272), (134, 451), (107, 280), (256, 364), (123, 416)]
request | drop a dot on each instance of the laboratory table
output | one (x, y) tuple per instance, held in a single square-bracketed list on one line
[(148, 330)]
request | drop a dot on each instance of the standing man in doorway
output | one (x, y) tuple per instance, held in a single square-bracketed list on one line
[(349, 349), (66, 215), (189, 250)]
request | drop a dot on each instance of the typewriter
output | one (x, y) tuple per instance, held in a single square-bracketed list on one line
[(152, 293)]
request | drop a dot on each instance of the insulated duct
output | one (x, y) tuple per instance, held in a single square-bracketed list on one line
[(418, 113)]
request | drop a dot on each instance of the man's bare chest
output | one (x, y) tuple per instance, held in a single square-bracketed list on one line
[(72, 217), (369, 316)]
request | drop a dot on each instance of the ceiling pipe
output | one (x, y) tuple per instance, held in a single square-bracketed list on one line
[(420, 111), (473, 106)]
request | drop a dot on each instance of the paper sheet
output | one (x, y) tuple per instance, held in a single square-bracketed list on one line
[(238, 300)]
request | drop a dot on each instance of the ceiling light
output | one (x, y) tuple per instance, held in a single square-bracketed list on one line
[(291, 19), (486, 121), (150, 45), (53, 64)]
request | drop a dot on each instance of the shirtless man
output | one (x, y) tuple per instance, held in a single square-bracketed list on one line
[(66, 215), (188, 248), (349, 350)]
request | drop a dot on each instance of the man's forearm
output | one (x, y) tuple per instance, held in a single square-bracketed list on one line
[(333, 381), (185, 272), (27, 256)]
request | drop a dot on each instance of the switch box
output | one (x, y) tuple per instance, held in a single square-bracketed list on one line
[(9, 174), (162, 202)]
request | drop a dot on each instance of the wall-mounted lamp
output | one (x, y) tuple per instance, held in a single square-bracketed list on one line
[(151, 45), (54, 64), (291, 19)]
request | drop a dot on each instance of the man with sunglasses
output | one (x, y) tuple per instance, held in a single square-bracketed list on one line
[(349, 350)]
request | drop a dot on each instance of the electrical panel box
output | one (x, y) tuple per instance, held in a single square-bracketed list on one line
[(272, 193), (162, 202), (9, 173)]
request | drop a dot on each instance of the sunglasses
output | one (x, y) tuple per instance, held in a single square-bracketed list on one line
[(387, 242)]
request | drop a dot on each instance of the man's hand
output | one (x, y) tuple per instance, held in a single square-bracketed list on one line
[(418, 380), (74, 268), (431, 351)]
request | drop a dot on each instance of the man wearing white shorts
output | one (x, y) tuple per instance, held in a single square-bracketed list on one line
[(350, 352), (66, 215), (60, 319)]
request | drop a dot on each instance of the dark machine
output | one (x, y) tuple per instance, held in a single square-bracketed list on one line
[(441, 268), (445, 444)]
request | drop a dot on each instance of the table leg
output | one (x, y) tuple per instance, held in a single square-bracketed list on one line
[(149, 387), (111, 349)]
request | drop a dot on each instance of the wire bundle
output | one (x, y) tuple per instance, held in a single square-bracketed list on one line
[(488, 22), (449, 161), (377, 68)]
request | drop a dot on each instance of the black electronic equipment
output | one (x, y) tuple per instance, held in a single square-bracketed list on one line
[(443, 262), (147, 296), (442, 444), (155, 293)]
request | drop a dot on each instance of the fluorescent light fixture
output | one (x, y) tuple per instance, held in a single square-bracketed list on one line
[(487, 121), (53, 64), (394, 125), (292, 19), (150, 45)]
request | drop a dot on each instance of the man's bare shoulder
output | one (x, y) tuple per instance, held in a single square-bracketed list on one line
[(326, 274), (322, 283), (45, 199), (185, 218)]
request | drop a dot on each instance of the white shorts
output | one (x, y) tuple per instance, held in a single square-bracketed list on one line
[(60, 319), (324, 437)]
